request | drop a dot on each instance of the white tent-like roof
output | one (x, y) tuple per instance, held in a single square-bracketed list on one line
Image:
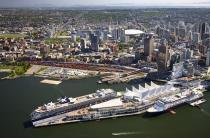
[(147, 86), (147, 91), (134, 89), (154, 85), (141, 88)]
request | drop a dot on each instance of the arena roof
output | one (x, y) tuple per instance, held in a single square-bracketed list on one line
[(133, 32)]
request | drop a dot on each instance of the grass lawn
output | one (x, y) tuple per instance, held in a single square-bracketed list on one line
[(16, 69)]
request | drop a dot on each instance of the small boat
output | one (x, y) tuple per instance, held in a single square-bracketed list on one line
[(172, 112), (99, 82)]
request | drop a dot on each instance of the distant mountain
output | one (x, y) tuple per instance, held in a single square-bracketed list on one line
[(111, 6)]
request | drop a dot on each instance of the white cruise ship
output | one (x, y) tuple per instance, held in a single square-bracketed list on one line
[(166, 103), (64, 105)]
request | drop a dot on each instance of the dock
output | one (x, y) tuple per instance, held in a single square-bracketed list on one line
[(54, 82)]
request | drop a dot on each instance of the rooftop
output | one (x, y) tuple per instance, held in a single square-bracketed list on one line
[(110, 103), (133, 32)]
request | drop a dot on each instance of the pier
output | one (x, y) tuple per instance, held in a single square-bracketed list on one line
[(54, 82), (123, 77)]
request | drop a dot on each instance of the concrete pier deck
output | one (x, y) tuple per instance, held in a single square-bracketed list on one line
[(54, 82)]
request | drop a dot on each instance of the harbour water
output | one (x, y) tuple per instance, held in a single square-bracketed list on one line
[(19, 97)]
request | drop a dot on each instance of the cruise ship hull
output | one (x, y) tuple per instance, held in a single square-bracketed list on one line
[(159, 112), (58, 120), (72, 107)]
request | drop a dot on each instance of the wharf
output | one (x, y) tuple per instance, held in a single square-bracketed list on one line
[(123, 77), (63, 118)]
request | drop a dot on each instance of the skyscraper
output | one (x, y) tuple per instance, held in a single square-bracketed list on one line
[(163, 56), (115, 34), (182, 33), (190, 35), (203, 29), (196, 37), (148, 46), (208, 57), (94, 42), (83, 44)]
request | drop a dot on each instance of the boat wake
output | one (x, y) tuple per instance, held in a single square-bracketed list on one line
[(205, 112), (125, 133)]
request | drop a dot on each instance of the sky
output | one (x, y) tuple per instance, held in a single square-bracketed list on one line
[(37, 3)]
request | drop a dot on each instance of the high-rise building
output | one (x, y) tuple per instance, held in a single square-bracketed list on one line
[(122, 35), (83, 44), (195, 27), (158, 30), (196, 37), (190, 35), (182, 33), (208, 57), (115, 34), (203, 29), (163, 56), (118, 34), (187, 54), (94, 42), (181, 24), (148, 46), (177, 31)]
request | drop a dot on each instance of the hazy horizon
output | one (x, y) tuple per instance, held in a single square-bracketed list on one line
[(70, 3)]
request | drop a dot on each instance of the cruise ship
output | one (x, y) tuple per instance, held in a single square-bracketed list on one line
[(114, 108), (166, 103), (110, 104), (65, 104)]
